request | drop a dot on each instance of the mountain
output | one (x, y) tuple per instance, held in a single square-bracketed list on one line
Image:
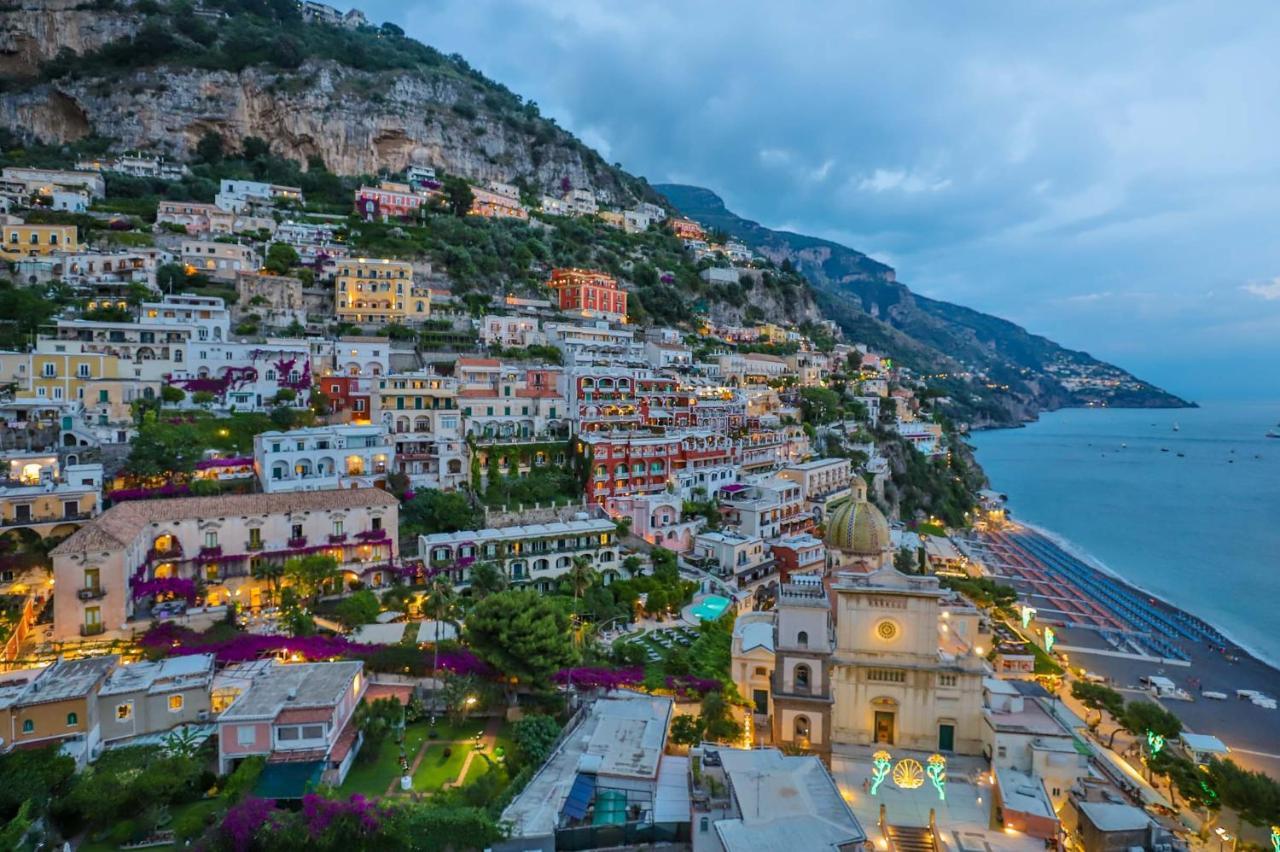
[(1013, 374), (361, 99)]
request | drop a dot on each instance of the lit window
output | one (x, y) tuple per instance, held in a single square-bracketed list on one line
[(124, 712), (176, 703)]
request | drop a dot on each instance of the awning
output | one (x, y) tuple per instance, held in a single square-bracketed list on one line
[(288, 780), (732, 488), (575, 806)]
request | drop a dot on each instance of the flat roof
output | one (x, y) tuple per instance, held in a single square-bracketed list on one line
[(160, 676), (309, 684), (1204, 742), (67, 679), (1024, 793), (1110, 816), (786, 804), (521, 532)]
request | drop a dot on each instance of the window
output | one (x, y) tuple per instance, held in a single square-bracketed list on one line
[(28, 726), (49, 370), (802, 727), (82, 370), (946, 680), (176, 703), (211, 539), (802, 639), (1001, 751), (124, 712), (296, 531), (802, 675), (255, 536), (73, 719), (886, 676), (337, 527), (761, 671), (376, 523), (246, 735)]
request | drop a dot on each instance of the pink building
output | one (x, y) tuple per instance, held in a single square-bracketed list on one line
[(295, 714), (656, 518)]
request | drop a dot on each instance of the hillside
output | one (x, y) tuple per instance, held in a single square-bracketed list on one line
[(1019, 373), (158, 78)]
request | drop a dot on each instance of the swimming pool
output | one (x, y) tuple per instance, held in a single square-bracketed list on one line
[(710, 608)]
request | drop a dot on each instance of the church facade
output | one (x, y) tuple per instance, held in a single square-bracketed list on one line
[(862, 656)]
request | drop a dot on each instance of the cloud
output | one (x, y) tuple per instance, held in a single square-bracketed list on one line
[(1269, 290), (1026, 158), (900, 180)]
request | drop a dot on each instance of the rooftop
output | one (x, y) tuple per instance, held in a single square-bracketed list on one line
[(594, 525), (67, 679), (292, 686), (1022, 792), (122, 523), (172, 674), (1108, 816), (786, 803)]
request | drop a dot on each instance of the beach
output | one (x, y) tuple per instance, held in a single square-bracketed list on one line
[(1113, 630)]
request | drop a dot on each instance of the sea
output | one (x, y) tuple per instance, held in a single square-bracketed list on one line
[(1190, 514)]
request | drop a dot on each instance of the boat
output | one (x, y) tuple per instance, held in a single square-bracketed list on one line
[(1182, 455), (1216, 696), (1164, 449), (1272, 433), (1176, 427)]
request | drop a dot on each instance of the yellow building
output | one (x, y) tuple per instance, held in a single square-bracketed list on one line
[(39, 494), (37, 240), (375, 290)]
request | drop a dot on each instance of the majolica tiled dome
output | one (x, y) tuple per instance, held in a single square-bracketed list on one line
[(858, 528)]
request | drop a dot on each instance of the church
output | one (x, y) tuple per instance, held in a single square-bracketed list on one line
[(863, 656)]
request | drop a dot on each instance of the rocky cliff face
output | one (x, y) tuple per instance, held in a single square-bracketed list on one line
[(357, 122), (35, 31)]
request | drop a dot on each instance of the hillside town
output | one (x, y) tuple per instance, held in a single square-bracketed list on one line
[(312, 539)]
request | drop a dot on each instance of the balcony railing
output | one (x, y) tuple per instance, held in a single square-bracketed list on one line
[(253, 545), (46, 519), (337, 538), (372, 535), (300, 541), (209, 554), (92, 629), (91, 593)]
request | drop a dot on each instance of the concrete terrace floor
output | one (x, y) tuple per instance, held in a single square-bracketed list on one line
[(964, 818)]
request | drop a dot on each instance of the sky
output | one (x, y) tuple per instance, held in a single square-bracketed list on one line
[(1104, 174)]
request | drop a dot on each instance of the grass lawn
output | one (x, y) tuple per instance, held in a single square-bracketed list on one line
[(373, 777), (436, 769)]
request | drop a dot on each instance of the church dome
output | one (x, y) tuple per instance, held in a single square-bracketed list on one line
[(858, 528)]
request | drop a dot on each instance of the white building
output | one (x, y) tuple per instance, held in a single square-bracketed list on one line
[(732, 555), (515, 332), (239, 195), (534, 554), (322, 457)]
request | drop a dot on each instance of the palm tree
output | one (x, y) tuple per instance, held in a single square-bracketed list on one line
[(439, 603), (582, 574)]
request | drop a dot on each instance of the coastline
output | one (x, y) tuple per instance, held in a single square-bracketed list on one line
[(1081, 553)]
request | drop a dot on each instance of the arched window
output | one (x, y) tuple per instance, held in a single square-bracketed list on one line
[(802, 727), (802, 639), (802, 678), (72, 720)]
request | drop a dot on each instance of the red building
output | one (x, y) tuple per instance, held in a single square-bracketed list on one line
[(687, 229), (589, 292), (628, 464), (389, 201), (348, 396), (798, 554)]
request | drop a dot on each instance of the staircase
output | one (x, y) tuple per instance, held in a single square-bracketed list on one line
[(909, 838)]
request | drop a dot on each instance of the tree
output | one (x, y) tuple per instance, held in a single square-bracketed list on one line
[(430, 827), (458, 195), (172, 395), (431, 511), (534, 735), (486, 579), (270, 572), (687, 729), (460, 695), (718, 722), (255, 148), (1098, 698), (582, 574), (1142, 717), (281, 257), (170, 276), (377, 719), (522, 634), (37, 776), (210, 148), (632, 565), (310, 574), (357, 609), (203, 398), (904, 560), (439, 603)]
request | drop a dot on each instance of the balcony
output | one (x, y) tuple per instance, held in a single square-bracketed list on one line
[(209, 554), (92, 629), (372, 535), (300, 541), (66, 517), (253, 545), (337, 538), (91, 593)]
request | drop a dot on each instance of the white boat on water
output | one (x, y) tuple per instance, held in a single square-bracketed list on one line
[(1216, 696)]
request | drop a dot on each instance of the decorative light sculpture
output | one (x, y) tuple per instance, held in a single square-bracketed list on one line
[(880, 763), (1049, 638), (1155, 742), (1275, 838), (1028, 613), (937, 772), (908, 774)]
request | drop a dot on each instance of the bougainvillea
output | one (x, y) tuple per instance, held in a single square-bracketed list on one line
[(170, 489), (232, 378), (170, 639), (244, 820), (589, 677), (237, 461), (179, 587)]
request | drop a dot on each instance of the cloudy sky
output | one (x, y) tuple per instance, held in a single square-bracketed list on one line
[(1105, 174)]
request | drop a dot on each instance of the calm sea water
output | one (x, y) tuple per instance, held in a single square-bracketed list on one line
[(1201, 531)]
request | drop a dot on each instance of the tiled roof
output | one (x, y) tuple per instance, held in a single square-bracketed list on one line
[(120, 524)]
